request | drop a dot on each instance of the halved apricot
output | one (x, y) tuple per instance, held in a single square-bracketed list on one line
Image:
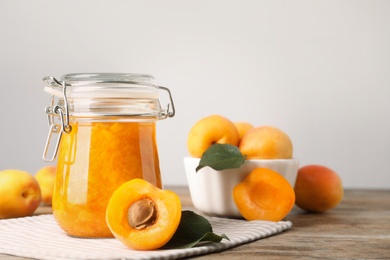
[(264, 195), (142, 216)]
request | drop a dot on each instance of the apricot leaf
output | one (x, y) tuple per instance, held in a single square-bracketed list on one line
[(221, 157), (193, 230)]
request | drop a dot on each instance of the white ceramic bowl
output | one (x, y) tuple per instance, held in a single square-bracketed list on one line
[(211, 191)]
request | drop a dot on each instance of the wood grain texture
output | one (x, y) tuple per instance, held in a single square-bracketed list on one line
[(359, 228)]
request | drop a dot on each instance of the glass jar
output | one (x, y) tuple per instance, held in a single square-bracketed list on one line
[(104, 127)]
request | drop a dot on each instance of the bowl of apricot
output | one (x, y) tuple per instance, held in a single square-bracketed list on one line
[(211, 191), (255, 173)]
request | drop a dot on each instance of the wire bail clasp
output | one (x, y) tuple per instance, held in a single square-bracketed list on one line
[(54, 111), (170, 110)]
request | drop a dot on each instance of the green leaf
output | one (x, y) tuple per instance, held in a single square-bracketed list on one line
[(221, 157), (193, 230)]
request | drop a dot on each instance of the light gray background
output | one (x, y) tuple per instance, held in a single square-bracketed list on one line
[(318, 70)]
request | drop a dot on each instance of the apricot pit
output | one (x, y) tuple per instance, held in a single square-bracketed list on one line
[(142, 214)]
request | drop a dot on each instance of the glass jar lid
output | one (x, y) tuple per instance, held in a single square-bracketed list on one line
[(108, 96)]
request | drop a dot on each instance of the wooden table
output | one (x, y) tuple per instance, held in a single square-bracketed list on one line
[(359, 228)]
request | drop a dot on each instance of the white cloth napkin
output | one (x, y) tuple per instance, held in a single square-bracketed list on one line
[(40, 237)]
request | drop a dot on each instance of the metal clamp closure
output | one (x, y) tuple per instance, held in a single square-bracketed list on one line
[(54, 111), (170, 111)]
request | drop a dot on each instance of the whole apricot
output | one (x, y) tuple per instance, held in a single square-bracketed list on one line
[(20, 194), (243, 128), (142, 216), (264, 195), (46, 179), (318, 188), (210, 130), (266, 142)]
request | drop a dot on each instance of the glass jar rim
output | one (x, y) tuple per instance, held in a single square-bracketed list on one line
[(77, 79), (91, 85)]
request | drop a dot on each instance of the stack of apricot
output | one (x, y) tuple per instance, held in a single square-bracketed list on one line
[(259, 189), (263, 142)]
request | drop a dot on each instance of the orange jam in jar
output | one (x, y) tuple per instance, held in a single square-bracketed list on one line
[(106, 135)]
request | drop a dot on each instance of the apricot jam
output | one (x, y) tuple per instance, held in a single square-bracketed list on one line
[(94, 160), (106, 135)]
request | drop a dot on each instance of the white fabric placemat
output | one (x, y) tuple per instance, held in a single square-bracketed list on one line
[(40, 237)]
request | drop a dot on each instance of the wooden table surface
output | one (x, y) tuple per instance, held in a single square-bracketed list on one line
[(359, 228)]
